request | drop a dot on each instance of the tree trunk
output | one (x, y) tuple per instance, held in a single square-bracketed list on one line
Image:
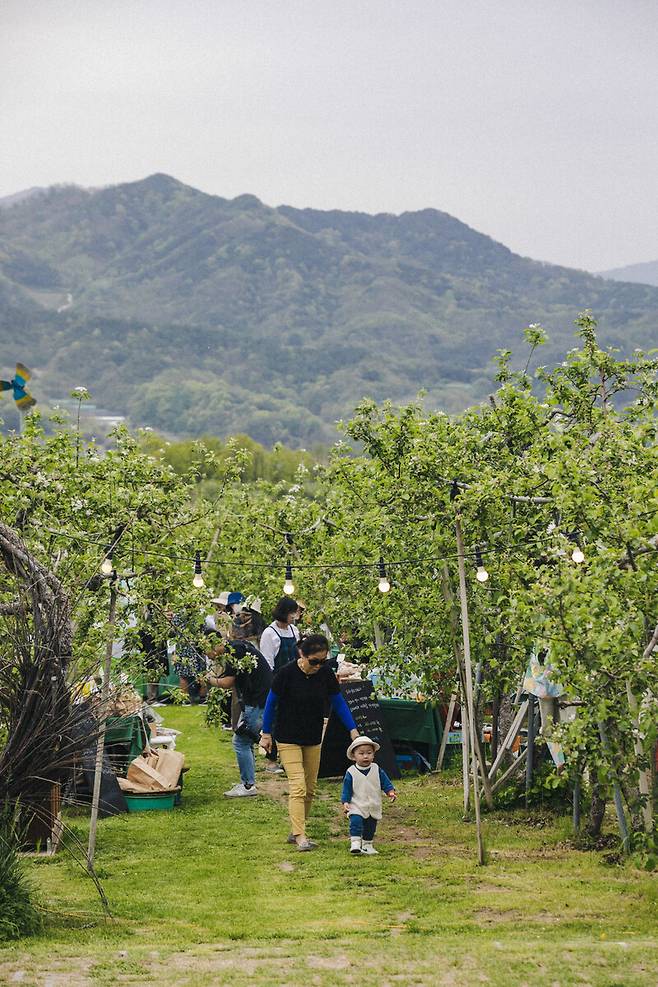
[(596, 810)]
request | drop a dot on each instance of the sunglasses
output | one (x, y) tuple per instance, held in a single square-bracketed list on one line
[(316, 661)]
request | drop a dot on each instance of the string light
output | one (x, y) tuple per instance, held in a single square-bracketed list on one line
[(198, 578), (288, 586), (384, 585), (481, 575), (107, 566), (577, 555)]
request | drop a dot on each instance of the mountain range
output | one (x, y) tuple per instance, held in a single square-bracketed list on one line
[(645, 273), (192, 313)]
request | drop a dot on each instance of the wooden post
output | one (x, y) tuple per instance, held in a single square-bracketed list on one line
[(619, 805), (495, 720), (446, 730), (465, 753), (100, 744), (576, 803), (468, 676), (513, 768), (530, 759), (645, 780), (509, 739), (448, 596)]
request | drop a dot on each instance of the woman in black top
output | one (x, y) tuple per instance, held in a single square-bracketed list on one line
[(296, 704)]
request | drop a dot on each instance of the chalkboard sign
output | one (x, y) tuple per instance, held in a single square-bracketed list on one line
[(362, 701), (112, 800)]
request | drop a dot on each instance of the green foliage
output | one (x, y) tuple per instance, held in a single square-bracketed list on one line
[(196, 315), (19, 913), (213, 710), (71, 503), (178, 697), (534, 473), (255, 462)]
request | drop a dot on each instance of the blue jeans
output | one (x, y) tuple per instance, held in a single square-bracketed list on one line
[(362, 826), (244, 747)]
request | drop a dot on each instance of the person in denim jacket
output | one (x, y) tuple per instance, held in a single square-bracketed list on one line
[(247, 670)]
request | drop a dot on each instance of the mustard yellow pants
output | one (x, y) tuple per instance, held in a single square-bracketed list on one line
[(301, 765)]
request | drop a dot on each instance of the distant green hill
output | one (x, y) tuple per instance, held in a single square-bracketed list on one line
[(197, 314)]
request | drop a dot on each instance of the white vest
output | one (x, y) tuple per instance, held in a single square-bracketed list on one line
[(366, 792)]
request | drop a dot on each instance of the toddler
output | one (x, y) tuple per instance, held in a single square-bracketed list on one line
[(363, 785)]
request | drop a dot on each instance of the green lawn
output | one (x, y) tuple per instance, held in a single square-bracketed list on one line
[(211, 894)]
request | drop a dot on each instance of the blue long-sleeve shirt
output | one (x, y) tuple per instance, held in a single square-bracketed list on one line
[(348, 785)]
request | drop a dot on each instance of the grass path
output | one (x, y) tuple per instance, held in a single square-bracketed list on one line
[(210, 894)]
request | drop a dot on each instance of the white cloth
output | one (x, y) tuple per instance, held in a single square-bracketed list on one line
[(366, 792), (270, 640)]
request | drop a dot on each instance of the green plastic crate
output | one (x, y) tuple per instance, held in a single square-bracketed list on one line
[(155, 801)]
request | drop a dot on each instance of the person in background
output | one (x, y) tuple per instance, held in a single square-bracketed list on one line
[(253, 606), (294, 717), (278, 642), (250, 676), (153, 646), (190, 662), (228, 606), (222, 615)]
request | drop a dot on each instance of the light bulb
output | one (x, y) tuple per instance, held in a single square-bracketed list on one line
[(198, 577), (481, 574), (288, 586), (107, 567), (384, 585), (578, 555)]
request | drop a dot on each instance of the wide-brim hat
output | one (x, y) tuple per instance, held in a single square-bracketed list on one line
[(254, 603), (361, 742)]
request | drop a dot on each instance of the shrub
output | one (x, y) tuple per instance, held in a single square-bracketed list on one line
[(19, 913)]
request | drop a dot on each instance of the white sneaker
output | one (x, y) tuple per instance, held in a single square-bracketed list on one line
[(239, 791), (368, 849), (274, 769), (355, 844)]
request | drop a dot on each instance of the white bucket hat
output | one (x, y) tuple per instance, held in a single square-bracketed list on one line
[(361, 742)]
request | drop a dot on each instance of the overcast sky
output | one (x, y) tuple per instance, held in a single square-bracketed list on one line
[(532, 120)]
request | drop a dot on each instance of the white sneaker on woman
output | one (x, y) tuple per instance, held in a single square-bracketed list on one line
[(239, 791)]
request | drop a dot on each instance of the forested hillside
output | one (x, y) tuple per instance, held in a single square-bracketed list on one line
[(646, 273), (197, 314)]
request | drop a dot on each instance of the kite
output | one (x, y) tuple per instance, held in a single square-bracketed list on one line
[(17, 385)]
